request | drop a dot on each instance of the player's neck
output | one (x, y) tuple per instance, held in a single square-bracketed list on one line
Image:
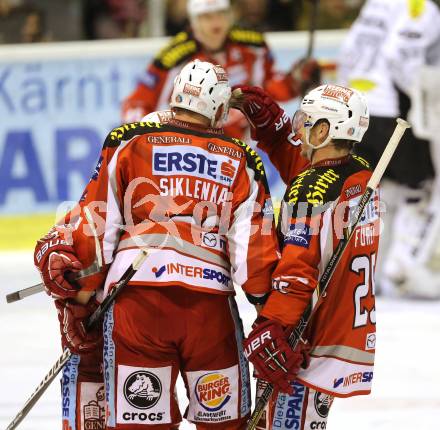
[(193, 118), (328, 153)]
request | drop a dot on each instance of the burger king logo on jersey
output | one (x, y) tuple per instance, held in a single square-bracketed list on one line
[(214, 395), (212, 391)]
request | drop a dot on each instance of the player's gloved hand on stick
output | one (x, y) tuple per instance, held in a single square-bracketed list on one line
[(268, 120), (267, 349), (304, 76), (55, 259), (72, 317)]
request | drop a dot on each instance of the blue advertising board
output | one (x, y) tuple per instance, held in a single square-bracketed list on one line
[(55, 114)]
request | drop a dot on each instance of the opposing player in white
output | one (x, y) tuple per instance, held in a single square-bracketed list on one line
[(388, 43)]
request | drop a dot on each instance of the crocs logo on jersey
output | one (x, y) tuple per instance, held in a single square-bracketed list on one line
[(142, 389), (323, 403), (192, 272), (212, 391), (194, 161)]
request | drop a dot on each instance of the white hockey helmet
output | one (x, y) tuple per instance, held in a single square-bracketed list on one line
[(199, 7), (344, 108), (202, 87)]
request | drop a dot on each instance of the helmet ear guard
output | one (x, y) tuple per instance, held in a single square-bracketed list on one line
[(203, 88)]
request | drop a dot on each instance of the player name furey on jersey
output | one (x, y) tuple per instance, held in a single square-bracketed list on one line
[(195, 196), (317, 211)]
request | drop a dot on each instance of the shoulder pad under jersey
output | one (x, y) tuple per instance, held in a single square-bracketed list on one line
[(246, 37), (315, 186), (128, 131), (181, 48)]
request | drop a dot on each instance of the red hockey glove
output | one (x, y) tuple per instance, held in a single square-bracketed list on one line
[(72, 317), (268, 120), (53, 258), (274, 360), (305, 75)]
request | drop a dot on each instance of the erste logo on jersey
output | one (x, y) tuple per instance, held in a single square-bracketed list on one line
[(212, 391), (194, 161)]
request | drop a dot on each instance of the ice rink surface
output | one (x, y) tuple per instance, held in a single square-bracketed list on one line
[(406, 388)]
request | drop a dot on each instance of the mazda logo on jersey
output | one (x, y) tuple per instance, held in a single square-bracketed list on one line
[(323, 403), (212, 391), (194, 161), (142, 389)]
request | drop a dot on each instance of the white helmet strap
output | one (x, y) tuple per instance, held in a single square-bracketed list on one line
[(310, 148)]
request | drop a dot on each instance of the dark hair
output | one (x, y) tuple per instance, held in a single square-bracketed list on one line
[(343, 144)]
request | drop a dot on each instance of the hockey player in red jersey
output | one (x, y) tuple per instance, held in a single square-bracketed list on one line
[(200, 202), (337, 356), (243, 53)]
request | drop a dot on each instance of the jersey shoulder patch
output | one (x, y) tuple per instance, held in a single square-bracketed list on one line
[(315, 187), (361, 161), (128, 131), (247, 37), (181, 48)]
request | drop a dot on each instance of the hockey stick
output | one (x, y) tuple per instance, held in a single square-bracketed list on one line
[(296, 334), (99, 312), (95, 267), (313, 20)]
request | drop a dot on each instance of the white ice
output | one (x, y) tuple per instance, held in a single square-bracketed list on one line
[(406, 389)]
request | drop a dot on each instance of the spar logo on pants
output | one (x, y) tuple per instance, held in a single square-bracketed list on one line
[(143, 395), (214, 395)]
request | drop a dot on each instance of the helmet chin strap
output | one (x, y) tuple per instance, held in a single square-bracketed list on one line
[(310, 148)]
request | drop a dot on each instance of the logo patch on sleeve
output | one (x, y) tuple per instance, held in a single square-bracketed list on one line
[(298, 234)]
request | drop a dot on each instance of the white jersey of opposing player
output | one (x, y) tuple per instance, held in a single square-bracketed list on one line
[(413, 43), (362, 65)]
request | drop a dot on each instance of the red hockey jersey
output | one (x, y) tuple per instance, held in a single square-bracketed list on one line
[(197, 199), (314, 215)]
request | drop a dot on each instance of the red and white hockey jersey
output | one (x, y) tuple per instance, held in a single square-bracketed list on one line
[(314, 215), (197, 199)]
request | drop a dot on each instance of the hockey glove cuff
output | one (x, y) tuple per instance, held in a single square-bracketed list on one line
[(72, 317), (274, 360)]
